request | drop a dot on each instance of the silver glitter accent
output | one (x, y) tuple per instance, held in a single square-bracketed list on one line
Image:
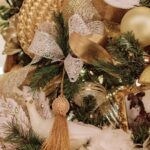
[(73, 67)]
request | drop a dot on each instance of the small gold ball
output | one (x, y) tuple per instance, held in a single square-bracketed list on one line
[(60, 106), (137, 20)]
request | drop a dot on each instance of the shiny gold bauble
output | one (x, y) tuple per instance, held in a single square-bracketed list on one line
[(145, 76), (90, 89), (137, 20)]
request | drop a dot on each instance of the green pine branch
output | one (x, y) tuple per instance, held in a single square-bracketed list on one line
[(63, 35), (140, 134), (145, 3), (91, 116), (71, 88), (128, 54), (24, 142), (129, 62), (43, 75), (15, 3), (10, 11)]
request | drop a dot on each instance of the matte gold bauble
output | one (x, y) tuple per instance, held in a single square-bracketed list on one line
[(137, 20)]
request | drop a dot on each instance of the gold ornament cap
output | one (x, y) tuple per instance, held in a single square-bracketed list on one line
[(60, 106)]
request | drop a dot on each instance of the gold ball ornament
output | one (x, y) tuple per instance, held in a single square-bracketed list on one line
[(137, 20), (145, 76)]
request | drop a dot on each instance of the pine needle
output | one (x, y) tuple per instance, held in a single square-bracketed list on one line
[(28, 142), (63, 35), (43, 75), (145, 3)]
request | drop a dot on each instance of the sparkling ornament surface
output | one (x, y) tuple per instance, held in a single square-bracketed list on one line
[(137, 20)]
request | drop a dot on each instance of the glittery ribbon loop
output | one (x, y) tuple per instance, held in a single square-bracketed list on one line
[(73, 67), (78, 25), (44, 44)]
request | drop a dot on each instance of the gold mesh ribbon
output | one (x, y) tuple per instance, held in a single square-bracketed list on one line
[(84, 8), (11, 81), (33, 13)]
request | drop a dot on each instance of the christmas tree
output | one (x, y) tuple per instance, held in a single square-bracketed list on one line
[(77, 75)]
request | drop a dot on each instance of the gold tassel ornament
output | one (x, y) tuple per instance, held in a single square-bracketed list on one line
[(59, 136)]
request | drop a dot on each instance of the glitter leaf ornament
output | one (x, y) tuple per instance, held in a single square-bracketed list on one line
[(73, 67)]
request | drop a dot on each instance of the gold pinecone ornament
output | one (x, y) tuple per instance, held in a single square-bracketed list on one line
[(31, 15)]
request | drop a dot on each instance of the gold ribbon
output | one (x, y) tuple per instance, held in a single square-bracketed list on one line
[(107, 11), (84, 42), (87, 50)]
